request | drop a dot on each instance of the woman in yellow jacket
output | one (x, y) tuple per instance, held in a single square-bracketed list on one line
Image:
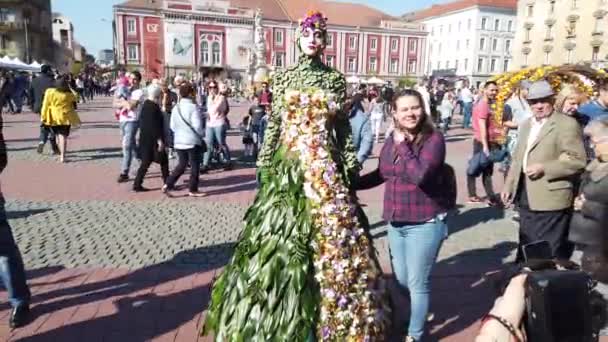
[(59, 113)]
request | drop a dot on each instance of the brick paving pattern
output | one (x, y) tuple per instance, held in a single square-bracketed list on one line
[(106, 264)]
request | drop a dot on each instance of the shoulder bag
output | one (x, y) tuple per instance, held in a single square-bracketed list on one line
[(203, 144)]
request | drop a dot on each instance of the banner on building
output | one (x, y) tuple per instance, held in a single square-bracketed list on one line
[(179, 44)]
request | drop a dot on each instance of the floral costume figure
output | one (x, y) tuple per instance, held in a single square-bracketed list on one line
[(304, 268)]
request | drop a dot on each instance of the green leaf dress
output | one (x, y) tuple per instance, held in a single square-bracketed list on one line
[(268, 291)]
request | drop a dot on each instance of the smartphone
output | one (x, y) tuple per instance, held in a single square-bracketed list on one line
[(539, 250)]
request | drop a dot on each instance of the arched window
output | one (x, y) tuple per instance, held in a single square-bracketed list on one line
[(215, 49), (205, 52)]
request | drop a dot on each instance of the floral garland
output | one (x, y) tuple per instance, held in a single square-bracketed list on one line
[(556, 76), (349, 307)]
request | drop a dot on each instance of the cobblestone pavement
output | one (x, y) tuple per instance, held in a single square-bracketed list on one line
[(110, 265)]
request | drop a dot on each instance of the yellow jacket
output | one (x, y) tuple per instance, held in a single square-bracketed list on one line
[(58, 109)]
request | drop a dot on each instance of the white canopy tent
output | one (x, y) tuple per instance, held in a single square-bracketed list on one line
[(16, 64), (375, 80), (353, 79)]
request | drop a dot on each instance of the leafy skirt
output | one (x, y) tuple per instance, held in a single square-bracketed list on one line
[(268, 291)]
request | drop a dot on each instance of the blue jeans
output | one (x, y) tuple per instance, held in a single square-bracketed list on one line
[(128, 130), (468, 112), (213, 136), (414, 248), (12, 271)]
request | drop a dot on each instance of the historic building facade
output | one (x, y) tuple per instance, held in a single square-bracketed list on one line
[(25, 30), (470, 39), (168, 37), (561, 32)]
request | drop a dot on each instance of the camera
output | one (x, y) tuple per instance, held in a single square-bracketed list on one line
[(561, 305)]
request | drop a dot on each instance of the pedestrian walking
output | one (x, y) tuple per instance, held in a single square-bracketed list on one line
[(484, 141), (129, 126), (152, 135), (167, 102), (37, 90), (376, 116), (217, 125), (187, 127), (12, 271), (419, 192), (362, 135), (257, 111), (466, 96), (549, 154), (59, 113), (446, 110)]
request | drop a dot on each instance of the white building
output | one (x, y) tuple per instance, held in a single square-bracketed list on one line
[(469, 38), (63, 39), (106, 57)]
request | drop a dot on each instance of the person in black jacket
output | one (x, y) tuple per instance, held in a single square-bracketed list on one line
[(151, 138), (37, 90), (12, 271)]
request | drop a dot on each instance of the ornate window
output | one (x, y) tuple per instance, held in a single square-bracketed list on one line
[(211, 49)]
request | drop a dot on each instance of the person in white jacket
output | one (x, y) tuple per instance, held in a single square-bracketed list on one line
[(187, 127)]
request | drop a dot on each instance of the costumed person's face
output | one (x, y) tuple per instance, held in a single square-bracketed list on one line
[(571, 105), (408, 113), (312, 42)]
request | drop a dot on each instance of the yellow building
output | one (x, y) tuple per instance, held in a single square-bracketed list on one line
[(561, 32)]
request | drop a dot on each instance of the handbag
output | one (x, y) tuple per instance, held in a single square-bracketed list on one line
[(203, 143)]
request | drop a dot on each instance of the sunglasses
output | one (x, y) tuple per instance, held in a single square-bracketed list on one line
[(543, 100)]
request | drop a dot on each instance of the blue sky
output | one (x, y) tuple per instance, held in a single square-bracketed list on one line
[(95, 34)]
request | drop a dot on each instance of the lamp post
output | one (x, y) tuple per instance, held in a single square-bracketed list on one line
[(27, 41)]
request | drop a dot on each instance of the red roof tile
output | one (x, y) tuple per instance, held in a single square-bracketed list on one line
[(437, 10)]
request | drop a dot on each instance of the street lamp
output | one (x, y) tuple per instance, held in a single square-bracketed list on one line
[(27, 40)]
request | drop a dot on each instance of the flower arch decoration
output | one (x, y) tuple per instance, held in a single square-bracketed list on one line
[(583, 77)]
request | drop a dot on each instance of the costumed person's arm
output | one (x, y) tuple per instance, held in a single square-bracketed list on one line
[(273, 129), (343, 130)]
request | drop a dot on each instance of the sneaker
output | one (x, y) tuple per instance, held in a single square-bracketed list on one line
[(123, 178), (409, 339), (197, 194), (40, 148), (140, 189), (19, 316)]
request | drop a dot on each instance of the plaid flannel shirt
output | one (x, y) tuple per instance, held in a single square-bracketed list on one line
[(411, 175)]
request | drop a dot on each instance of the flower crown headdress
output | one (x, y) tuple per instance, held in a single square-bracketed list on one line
[(314, 20)]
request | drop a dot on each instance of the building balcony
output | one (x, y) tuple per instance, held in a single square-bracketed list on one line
[(597, 33)]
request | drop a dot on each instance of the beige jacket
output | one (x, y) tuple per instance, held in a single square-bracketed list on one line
[(559, 148)]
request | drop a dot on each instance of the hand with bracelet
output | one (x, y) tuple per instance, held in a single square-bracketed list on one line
[(503, 322)]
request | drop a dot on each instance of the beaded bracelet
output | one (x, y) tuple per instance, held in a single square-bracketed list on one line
[(504, 323)]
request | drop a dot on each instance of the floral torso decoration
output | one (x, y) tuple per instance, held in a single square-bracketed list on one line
[(350, 308)]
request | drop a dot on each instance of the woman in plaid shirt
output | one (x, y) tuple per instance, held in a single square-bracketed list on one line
[(416, 200)]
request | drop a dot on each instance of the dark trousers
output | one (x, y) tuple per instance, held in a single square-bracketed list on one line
[(486, 176), (46, 134), (12, 270), (147, 158), (191, 156), (534, 226)]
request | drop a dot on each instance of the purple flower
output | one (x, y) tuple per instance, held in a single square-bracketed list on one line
[(342, 302), (326, 332)]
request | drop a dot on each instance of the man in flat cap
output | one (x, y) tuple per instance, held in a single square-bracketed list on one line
[(547, 160)]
